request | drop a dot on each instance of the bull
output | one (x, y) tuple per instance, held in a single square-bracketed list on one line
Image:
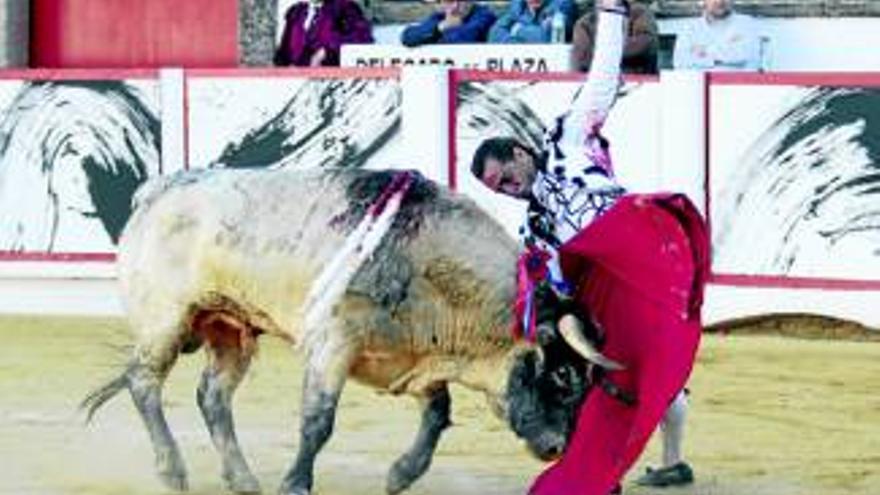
[(381, 276)]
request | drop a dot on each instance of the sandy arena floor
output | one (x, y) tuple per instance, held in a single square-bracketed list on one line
[(770, 415)]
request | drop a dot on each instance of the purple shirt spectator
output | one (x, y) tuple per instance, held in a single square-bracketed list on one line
[(456, 21), (314, 38)]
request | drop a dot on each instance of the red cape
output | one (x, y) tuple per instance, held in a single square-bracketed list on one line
[(640, 269)]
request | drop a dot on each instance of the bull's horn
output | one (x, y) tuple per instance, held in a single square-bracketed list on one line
[(572, 331)]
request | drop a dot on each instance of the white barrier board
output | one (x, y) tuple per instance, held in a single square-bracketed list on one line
[(515, 58)]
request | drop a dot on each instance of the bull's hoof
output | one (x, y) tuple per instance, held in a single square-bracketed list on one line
[(397, 482), (174, 481), (293, 489), (171, 470), (244, 483), (404, 473)]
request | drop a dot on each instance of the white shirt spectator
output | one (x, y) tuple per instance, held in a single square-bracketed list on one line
[(728, 43)]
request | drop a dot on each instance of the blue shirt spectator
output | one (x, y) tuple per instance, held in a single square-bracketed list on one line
[(456, 21), (529, 21)]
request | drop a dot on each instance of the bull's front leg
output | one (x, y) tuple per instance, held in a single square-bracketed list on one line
[(411, 465), (322, 386)]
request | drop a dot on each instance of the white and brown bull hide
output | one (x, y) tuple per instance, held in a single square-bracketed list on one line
[(215, 259)]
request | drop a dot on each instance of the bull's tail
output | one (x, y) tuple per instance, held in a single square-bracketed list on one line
[(101, 395)]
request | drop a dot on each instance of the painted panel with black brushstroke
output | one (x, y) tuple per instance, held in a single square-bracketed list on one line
[(794, 182), (240, 122), (71, 155)]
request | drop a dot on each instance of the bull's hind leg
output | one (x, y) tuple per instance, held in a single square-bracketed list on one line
[(230, 349), (325, 375), (145, 377), (435, 418)]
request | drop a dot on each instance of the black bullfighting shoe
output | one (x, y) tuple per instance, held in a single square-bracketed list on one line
[(675, 475)]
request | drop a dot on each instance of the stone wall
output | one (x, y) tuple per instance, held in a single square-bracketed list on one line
[(779, 8), (14, 15), (257, 25)]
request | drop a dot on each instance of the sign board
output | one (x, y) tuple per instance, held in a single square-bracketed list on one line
[(495, 57)]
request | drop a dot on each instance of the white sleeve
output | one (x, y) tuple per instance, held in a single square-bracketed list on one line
[(741, 50), (685, 56), (681, 51), (597, 95)]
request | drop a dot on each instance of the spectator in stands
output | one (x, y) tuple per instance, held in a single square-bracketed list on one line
[(720, 39), (530, 21), (315, 30), (640, 48), (455, 21)]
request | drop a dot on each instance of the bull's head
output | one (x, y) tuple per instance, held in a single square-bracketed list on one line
[(547, 384), (540, 409)]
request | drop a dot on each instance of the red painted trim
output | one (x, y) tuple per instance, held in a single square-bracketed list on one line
[(845, 79), (78, 74), (303, 72), (55, 257), (781, 282), (452, 101), (483, 75)]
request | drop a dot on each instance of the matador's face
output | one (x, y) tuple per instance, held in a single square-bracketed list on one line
[(512, 177)]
